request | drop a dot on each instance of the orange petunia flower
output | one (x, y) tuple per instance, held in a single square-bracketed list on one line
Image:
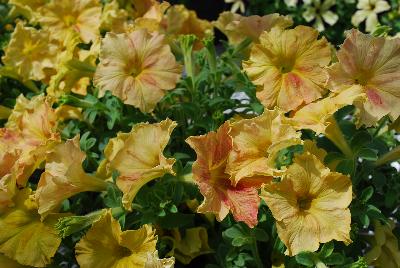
[(237, 28), (221, 195), (287, 67), (374, 64), (62, 16), (310, 205), (138, 67)]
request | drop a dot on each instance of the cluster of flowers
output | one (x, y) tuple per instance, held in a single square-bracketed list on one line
[(320, 11), (299, 80)]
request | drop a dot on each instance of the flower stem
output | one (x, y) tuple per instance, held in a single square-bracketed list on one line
[(255, 253), (388, 157), (335, 134)]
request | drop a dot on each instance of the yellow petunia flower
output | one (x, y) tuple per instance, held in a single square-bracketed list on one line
[(106, 246), (138, 157), (26, 8), (28, 134), (287, 67), (30, 53), (385, 250), (310, 205), (237, 28), (316, 115), (62, 16), (113, 18), (24, 237), (221, 195), (374, 64), (64, 177), (153, 261), (256, 143), (193, 244), (368, 11), (10, 263), (137, 67)]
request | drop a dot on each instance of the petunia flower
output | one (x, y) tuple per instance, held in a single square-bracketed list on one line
[(137, 67), (385, 250), (24, 237), (368, 11), (61, 16), (26, 8), (256, 143), (374, 64), (106, 245), (113, 18), (320, 12), (30, 53), (287, 67), (138, 157), (291, 3), (64, 177), (221, 195), (310, 205), (153, 261), (193, 244), (237, 28), (236, 5)]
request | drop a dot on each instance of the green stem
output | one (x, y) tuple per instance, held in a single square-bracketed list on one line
[(81, 66), (186, 44), (335, 134), (256, 255), (389, 157)]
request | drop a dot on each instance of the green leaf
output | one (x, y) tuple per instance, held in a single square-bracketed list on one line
[(345, 167), (327, 249), (364, 219), (305, 258), (359, 140), (260, 234), (334, 259), (366, 194), (368, 154)]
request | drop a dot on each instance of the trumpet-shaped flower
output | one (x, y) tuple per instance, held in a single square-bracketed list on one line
[(138, 157), (220, 194), (374, 64), (256, 143), (368, 11), (237, 28), (310, 205), (24, 237), (29, 133), (320, 12), (287, 67), (153, 261), (193, 244), (62, 16), (106, 246), (385, 250), (137, 67), (30, 53), (316, 116), (64, 177)]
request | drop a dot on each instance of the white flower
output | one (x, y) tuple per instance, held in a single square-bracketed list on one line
[(236, 5), (320, 12), (291, 3), (369, 10)]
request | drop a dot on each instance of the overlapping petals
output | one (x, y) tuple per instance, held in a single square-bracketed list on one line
[(138, 157), (287, 67), (137, 67), (374, 64), (153, 261), (310, 205), (105, 245), (221, 195)]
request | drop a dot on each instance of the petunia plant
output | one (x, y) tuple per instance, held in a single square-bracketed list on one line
[(144, 134)]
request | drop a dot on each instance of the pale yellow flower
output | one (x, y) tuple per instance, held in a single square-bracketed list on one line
[(310, 205), (237, 28), (193, 244), (137, 67), (138, 157), (256, 143), (64, 177), (236, 5), (30, 53), (291, 3), (369, 10), (105, 245), (81, 16), (27, 8), (24, 237), (287, 67), (385, 250), (153, 261), (374, 64), (320, 11), (113, 18)]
